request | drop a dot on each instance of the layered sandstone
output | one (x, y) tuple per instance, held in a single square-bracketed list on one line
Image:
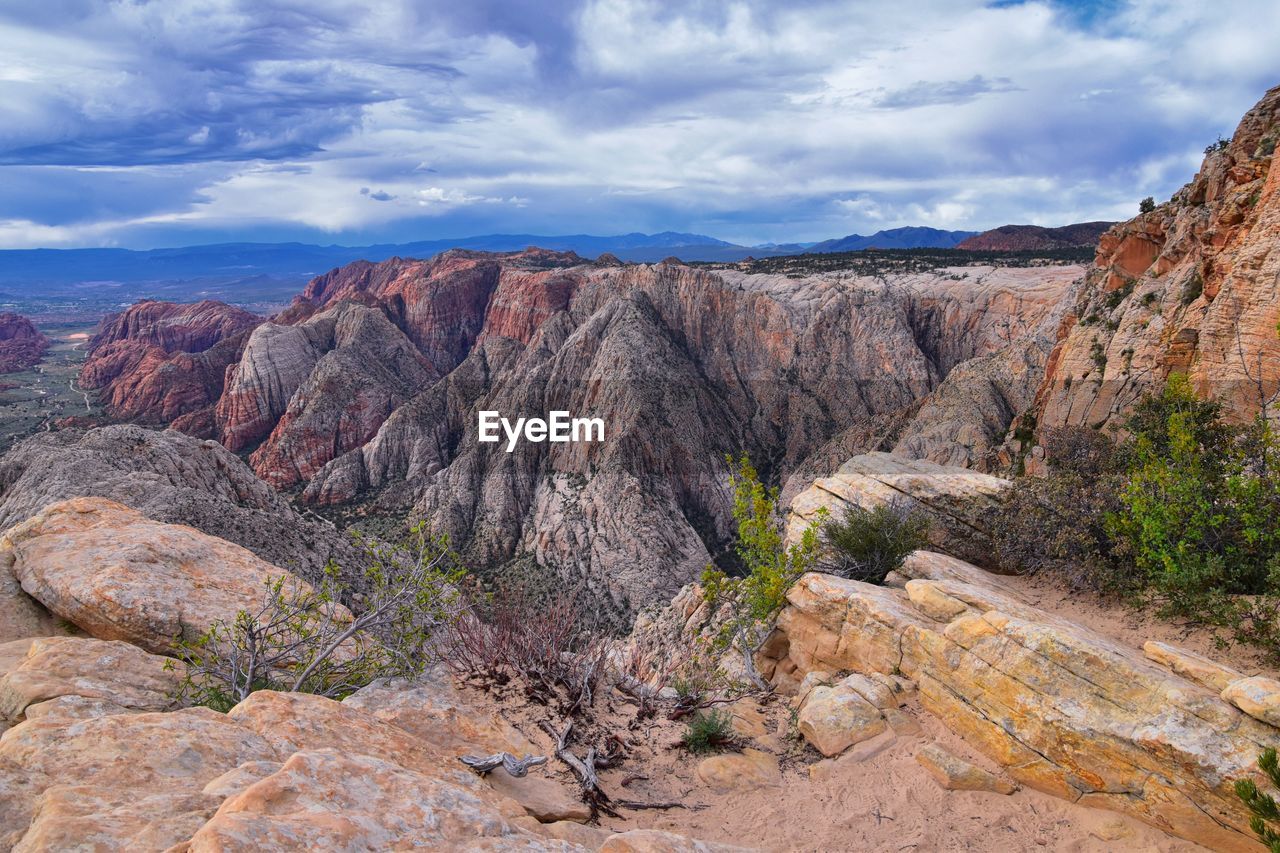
[(1061, 708), (1191, 287), (161, 362), (22, 345)]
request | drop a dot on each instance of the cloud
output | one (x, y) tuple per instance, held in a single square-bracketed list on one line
[(174, 122)]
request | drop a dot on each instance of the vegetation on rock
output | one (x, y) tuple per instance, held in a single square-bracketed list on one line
[(303, 639), (866, 545)]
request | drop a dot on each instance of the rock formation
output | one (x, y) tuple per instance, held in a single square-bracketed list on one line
[(1023, 238), (165, 363), (1193, 286), (1061, 708), (168, 477), (21, 343), (117, 575), (367, 389), (952, 498)]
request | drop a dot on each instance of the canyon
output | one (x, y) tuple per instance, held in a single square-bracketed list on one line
[(366, 392), (947, 705)]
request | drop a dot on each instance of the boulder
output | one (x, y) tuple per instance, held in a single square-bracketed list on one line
[(118, 575), (1061, 708), (432, 710), (833, 719), (21, 616), (744, 771), (122, 676), (332, 799), (1259, 697), (956, 774)]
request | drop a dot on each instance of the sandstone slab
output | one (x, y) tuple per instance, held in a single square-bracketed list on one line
[(118, 575), (1059, 707), (955, 774), (1191, 666)]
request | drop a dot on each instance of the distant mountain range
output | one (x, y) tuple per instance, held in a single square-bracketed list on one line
[(271, 271), (1022, 238), (244, 260)]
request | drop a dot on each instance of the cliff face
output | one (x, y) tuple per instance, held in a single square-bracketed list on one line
[(161, 362), (1192, 286), (21, 344), (368, 388), (683, 365)]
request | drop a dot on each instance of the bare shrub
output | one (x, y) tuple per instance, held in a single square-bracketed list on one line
[(302, 639), (553, 650)]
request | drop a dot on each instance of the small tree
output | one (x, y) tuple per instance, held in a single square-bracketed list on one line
[(302, 639), (1263, 806), (770, 568), (1147, 205), (866, 545)]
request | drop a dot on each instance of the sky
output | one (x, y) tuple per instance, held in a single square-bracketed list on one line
[(177, 122)]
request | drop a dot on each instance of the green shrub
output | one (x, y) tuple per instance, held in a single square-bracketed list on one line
[(769, 569), (866, 545), (1263, 806), (1147, 205), (708, 731)]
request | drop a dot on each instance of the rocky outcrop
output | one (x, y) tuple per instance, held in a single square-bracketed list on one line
[(1024, 238), (168, 477), (1189, 287), (83, 677), (118, 575), (165, 363), (361, 369), (1061, 708), (953, 499), (22, 345)]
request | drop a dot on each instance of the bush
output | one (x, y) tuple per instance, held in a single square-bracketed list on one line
[(1058, 522), (769, 569), (1200, 507), (1263, 806), (866, 545), (1147, 205), (301, 639), (708, 731), (552, 649), (1185, 515)]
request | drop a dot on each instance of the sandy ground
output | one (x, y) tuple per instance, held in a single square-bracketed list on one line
[(1133, 628), (876, 797)]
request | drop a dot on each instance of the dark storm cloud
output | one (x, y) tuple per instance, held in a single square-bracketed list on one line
[(171, 121)]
